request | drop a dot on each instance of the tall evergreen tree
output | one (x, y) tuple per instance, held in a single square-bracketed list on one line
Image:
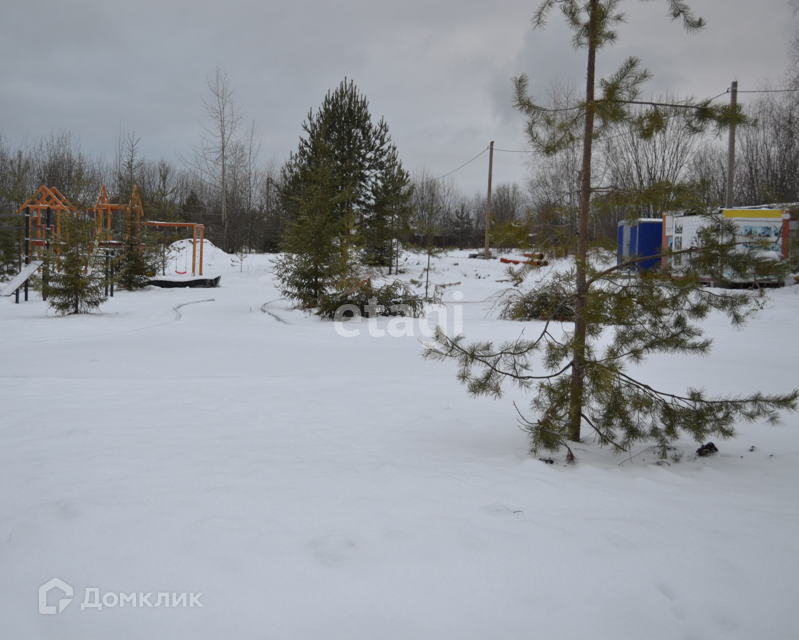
[(363, 163), (317, 241)]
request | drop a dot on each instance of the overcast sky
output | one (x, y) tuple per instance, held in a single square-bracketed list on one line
[(438, 71)]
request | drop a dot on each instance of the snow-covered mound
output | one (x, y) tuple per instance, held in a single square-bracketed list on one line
[(180, 259)]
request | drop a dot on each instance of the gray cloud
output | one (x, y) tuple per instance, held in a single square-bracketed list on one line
[(439, 72)]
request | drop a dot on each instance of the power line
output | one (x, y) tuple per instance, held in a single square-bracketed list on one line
[(770, 91), (459, 168), (721, 94), (760, 91), (725, 92)]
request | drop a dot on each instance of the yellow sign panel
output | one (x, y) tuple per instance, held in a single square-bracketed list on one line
[(752, 213)]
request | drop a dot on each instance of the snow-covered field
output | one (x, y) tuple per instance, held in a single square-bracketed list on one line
[(312, 486)]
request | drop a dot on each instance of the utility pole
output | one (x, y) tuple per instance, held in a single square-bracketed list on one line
[(27, 245), (266, 226), (268, 183), (488, 198), (731, 147)]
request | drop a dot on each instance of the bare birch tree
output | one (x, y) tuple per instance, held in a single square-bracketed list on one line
[(212, 157)]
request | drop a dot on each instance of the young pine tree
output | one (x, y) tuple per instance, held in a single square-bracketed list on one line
[(74, 280), (138, 260), (586, 384), (628, 319)]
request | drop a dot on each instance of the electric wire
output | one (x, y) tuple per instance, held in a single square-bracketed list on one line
[(755, 91), (458, 169), (770, 91)]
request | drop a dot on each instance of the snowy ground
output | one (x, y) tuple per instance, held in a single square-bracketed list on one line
[(315, 486)]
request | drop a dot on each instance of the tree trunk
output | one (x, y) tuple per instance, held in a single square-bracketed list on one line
[(581, 294), (391, 245), (427, 274), (225, 237)]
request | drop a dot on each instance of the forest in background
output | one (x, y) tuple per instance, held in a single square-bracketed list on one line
[(246, 215)]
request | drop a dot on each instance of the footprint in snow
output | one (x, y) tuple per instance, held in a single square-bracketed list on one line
[(499, 509), (332, 551)]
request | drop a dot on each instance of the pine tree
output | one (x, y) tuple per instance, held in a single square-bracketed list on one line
[(138, 260), (74, 273), (583, 384), (387, 220), (317, 242), (364, 164)]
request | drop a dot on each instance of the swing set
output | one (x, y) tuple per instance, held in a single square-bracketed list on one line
[(198, 233)]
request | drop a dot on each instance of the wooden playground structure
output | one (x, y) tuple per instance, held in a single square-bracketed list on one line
[(43, 221), (43, 213), (43, 216), (104, 210)]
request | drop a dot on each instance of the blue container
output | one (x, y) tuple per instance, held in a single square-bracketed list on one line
[(641, 238)]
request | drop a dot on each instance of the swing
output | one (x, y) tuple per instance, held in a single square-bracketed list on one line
[(185, 262)]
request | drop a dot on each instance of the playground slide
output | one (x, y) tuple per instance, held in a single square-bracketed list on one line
[(18, 280)]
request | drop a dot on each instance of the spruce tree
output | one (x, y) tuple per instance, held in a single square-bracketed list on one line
[(74, 281), (583, 384)]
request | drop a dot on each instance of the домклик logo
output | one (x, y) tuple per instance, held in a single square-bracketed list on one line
[(55, 583)]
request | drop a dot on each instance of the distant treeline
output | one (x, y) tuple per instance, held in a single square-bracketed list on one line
[(543, 209)]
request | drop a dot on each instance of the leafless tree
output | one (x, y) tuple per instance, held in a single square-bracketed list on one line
[(212, 157), (554, 195), (247, 172), (767, 159), (792, 73), (58, 161), (158, 185), (271, 218), (708, 169), (508, 203), (128, 163), (634, 163), (435, 201)]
